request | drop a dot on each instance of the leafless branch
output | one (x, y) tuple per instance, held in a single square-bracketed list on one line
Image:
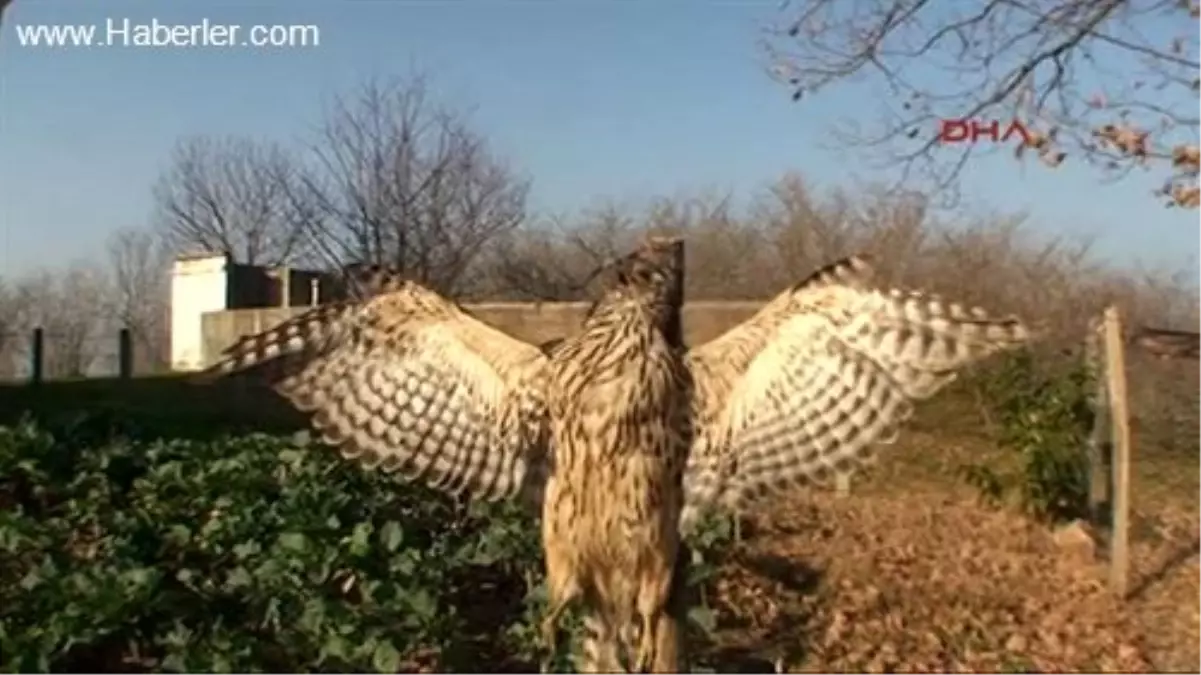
[(396, 180), (139, 264), (230, 195), (70, 306), (1078, 73), (14, 313)]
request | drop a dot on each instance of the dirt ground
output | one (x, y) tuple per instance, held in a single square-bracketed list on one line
[(907, 575)]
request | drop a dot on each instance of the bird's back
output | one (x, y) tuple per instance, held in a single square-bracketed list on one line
[(617, 407)]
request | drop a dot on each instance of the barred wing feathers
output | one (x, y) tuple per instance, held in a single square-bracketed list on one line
[(408, 382), (831, 367)]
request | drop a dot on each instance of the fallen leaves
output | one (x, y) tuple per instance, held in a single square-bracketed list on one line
[(921, 583)]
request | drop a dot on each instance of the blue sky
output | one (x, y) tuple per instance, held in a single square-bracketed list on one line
[(593, 100)]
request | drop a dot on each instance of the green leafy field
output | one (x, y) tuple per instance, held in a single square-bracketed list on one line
[(124, 551)]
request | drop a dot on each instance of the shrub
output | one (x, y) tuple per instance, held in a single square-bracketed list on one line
[(249, 554), (1044, 414)]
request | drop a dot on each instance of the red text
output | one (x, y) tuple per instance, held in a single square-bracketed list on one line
[(971, 131)]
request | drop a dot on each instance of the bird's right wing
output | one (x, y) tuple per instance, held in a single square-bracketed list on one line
[(409, 382)]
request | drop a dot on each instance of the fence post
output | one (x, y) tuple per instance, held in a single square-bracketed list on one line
[(285, 286), (124, 354), (1100, 447), (1115, 360), (36, 354)]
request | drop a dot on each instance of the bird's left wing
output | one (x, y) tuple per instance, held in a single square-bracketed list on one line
[(408, 382), (807, 386)]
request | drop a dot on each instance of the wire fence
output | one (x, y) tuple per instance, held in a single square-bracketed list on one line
[(1154, 383)]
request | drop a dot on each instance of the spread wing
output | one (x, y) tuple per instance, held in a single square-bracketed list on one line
[(829, 368), (409, 382)]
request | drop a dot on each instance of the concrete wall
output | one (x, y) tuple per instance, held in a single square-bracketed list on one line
[(251, 286), (303, 287), (533, 323)]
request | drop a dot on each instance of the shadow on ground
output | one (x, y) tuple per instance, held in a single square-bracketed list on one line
[(1174, 562), (769, 626)]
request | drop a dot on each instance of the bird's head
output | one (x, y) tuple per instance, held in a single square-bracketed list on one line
[(655, 268), (362, 281), (651, 276)]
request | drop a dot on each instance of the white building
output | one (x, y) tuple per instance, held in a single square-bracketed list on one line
[(214, 283), (199, 284)]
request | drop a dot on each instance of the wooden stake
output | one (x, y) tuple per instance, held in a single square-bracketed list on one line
[(1100, 450), (1115, 360)]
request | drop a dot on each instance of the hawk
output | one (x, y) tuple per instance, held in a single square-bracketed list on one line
[(620, 435)]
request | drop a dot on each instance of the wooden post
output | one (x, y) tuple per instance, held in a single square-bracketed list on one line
[(1115, 361), (1100, 447), (37, 354), (285, 286), (125, 354)]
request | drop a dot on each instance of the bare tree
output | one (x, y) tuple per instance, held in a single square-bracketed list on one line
[(559, 259), (7, 314), (398, 180), (70, 306), (138, 268), (14, 335), (1110, 82), (230, 195), (530, 265), (555, 258)]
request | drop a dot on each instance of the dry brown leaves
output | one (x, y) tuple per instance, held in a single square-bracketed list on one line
[(926, 582), (1128, 141), (1165, 590)]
